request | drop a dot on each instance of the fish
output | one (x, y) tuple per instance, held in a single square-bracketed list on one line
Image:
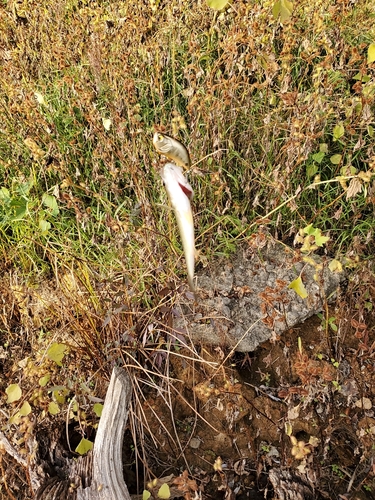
[(172, 148), (180, 194)]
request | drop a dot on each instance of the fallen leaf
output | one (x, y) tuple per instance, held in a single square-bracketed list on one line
[(217, 4), (298, 286), (355, 187), (164, 491), (364, 403), (84, 446), (371, 53), (14, 393)]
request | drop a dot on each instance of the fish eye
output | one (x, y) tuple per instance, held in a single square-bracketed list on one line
[(160, 137)]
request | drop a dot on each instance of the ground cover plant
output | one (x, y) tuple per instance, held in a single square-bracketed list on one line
[(275, 102)]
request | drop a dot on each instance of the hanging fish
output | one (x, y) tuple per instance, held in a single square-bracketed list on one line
[(172, 149), (180, 193)]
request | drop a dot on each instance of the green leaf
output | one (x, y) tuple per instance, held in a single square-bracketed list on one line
[(284, 8), (361, 77), (312, 169), (318, 157), (320, 240), (276, 9), (371, 53), (53, 408), (309, 229), (336, 159), (60, 395), (5, 195), (217, 4), (25, 409), (98, 408), (338, 131), (14, 393), (146, 495), (44, 226), (56, 353), (20, 208), (50, 201), (84, 446), (164, 491), (299, 287), (24, 188)]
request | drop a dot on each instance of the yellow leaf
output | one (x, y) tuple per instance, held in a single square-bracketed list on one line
[(84, 446), (14, 393), (284, 8), (36, 151), (40, 98), (43, 381), (164, 491), (335, 159), (217, 4), (98, 408), (16, 419), (56, 353), (53, 408), (309, 260), (288, 429), (371, 53), (60, 396), (299, 287), (218, 464), (338, 131), (107, 123), (146, 495), (335, 265), (25, 409)]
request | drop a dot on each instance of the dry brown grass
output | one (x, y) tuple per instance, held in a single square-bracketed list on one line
[(251, 98)]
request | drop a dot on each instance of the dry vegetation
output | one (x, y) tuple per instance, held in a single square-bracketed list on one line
[(90, 261)]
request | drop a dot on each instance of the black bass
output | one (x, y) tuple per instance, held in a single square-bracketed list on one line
[(172, 149), (180, 193)]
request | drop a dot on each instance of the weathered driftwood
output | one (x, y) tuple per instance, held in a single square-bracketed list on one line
[(107, 474), (8, 448), (98, 476), (291, 485), (247, 301)]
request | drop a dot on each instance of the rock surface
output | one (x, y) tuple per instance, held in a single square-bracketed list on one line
[(247, 301)]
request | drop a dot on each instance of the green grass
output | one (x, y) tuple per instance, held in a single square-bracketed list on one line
[(257, 104)]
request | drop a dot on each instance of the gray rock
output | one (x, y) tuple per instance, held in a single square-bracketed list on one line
[(246, 301)]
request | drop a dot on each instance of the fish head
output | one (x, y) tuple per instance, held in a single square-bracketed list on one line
[(172, 149)]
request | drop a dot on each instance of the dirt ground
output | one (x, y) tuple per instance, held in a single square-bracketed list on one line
[(296, 417), (292, 420)]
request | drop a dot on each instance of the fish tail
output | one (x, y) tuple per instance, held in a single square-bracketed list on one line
[(191, 284)]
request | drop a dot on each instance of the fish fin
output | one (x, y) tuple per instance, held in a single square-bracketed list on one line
[(191, 285), (186, 190)]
